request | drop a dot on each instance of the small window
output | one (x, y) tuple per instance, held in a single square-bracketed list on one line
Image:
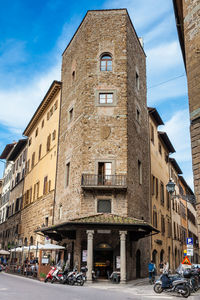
[(60, 212), (156, 187), (152, 134), (71, 114), (46, 221), (139, 172), (42, 123), (56, 105), (48, 142), (36, 132), (40, 152), (153, 185), (106, 98), (73, 75), (53, 135), (30, 141), (51, 112), (33, 160), (106, 63), (67, 173), (162, 199), (160, 148), (138, 115), (45, 187), (48, 115), (104, 206), (137, 81)]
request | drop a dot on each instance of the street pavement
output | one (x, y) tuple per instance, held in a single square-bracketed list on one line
[(13, 287)]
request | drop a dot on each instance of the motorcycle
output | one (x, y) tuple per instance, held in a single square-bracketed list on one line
[(171, 284), (84, 272), (74, 277)]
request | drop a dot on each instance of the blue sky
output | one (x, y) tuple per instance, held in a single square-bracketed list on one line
[(33, 35)]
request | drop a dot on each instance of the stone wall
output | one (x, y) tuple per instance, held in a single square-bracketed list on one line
[(191, 17)]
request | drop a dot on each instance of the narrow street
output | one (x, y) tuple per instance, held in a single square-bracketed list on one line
[(13, 287)]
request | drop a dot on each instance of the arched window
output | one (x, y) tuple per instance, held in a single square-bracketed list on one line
[(25, 242), (162, 256), (31, 240), (106, 62), (154, 256)]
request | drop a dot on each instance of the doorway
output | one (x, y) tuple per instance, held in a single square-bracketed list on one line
[(138, 264), (103, 261)]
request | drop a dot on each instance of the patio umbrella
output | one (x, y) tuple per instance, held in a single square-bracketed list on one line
[(4, 252)]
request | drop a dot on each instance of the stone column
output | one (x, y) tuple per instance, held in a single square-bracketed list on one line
[(123, 256), (89, 254)]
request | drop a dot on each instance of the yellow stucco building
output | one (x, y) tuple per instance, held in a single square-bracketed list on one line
[(39, 183)]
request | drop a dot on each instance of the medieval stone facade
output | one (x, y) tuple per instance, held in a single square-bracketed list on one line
[(187, 14)]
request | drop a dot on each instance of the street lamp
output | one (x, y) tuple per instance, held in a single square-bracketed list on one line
[(171, 189)]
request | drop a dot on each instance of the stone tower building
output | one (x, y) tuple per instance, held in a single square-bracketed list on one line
[(187, 14), (103, 174)]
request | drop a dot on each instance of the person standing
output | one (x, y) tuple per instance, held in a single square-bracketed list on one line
[(152, 271)]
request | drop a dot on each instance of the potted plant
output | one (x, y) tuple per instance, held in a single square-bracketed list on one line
[(42, 276)]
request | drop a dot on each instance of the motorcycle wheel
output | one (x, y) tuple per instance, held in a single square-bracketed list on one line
[(71, 281), (158, 288), (81, 282), (186, 294), (53, 280), (46, 280)]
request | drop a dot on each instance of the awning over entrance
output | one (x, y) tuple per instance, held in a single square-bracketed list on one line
[(138, 228)]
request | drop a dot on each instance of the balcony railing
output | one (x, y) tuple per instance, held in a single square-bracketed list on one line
[(103, 181)]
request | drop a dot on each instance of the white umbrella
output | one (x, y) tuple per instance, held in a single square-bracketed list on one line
[(4, 252)]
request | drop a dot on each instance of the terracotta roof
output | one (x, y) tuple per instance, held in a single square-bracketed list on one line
[(7, 150), (106, 218), (154, 113)]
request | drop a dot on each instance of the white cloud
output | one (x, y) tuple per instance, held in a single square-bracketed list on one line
[(178, 130), (19, 103)]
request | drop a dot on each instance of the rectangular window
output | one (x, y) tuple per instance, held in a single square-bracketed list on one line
[(168, 200), (48, 116), (48, 142), (156, 187), (45, 187), (24, 155), (152, 134), (67, 173), (153, 185), (36, 132), (42, 123), (160, 148), (162, 199), (139, 172), (162, 225), (37, 189), (56, 105), (104, 206), (20, 161), (34, 191), (30, 141), (155, 224), (40, 152), (53, 135), (105, 98), (33, 160)]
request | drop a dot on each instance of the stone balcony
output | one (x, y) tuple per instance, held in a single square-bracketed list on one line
[(106, 182)]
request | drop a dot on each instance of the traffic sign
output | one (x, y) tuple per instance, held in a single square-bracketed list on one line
[(185, 252), (190, 251), (186, 261), (190, 241)]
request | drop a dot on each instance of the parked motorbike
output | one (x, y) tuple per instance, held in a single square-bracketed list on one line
[(74, 277), (192, 276), (84, 273), (171, 284), (49, 276)]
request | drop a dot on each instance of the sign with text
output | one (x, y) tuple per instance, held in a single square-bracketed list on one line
[(84, 255), (190, 251)]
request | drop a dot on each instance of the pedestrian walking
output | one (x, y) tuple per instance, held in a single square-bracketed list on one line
[(152, 272)]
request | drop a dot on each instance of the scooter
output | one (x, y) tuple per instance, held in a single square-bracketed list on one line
[(74, 277), (49, 276), (171, 284)]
